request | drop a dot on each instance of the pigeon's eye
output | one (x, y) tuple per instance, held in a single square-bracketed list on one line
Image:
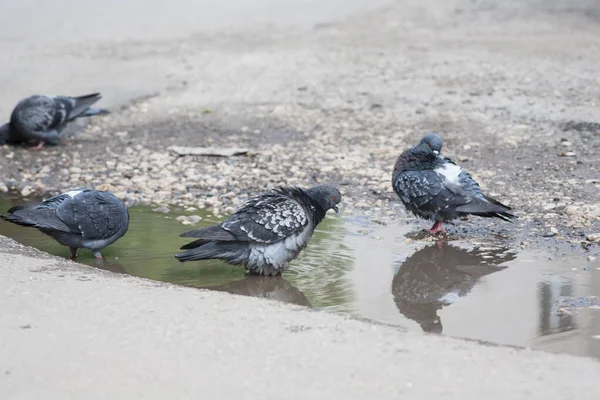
[(333, 198)]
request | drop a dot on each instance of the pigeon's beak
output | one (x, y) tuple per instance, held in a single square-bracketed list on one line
[(336, 209), (436, 152)]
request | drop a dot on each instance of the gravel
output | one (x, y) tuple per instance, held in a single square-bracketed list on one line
[(339, 104)]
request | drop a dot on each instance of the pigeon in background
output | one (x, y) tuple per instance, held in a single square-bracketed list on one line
[(86, 218), (267, 232), (40, 119), (435, 188)]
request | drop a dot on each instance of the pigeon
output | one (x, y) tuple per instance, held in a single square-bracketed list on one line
[(435, 188), (86, 218), (40, 119), (267, 232), (436, 276)]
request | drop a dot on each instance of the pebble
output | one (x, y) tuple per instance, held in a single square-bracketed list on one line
[(594, 237), (26, 191)]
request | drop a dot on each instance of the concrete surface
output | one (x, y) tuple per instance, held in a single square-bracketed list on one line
[(68, 331)]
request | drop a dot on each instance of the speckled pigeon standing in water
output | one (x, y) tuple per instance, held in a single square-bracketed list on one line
[(40, 119), (80, 218), (435, 188), (267, 232)]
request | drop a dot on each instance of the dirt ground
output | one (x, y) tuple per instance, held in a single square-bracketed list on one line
[(511, 86)]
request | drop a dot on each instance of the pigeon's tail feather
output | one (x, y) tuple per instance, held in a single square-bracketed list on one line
[(14, 209), (194, 244), (213, 250), (82, 104), (488, 208), (15, 219), (212, 233), (94, 111), (43, 219)]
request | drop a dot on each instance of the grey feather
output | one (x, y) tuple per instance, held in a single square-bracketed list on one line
[(81, 218), (435, 188), (267, 232), (42, 118)]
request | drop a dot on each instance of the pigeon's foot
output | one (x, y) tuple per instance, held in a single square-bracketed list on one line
[(436, 228), (73, 251), (98, 256), (38, 147)]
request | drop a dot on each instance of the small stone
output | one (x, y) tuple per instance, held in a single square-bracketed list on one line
[(26, 191), (594, 237), (573, 210), (551, 232), (567, 154), (194, 219), (591, 258)]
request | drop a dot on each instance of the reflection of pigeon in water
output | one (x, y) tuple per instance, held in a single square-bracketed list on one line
[(267, 232), (40, 119), (276, 288), (438, 275), (433, 187)]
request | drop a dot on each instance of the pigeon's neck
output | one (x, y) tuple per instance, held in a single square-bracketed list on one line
[(318, 210), (415, 160)]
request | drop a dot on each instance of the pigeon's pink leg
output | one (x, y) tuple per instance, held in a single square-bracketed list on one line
[(38, 146), (437, 227), (73, 253)]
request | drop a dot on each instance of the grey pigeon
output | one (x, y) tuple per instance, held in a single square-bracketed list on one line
[(91, 219), (436, 276), (267, 232), (435, 188), (40, 119)]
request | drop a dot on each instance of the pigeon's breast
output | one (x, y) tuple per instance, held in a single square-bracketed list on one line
[(280, 253)]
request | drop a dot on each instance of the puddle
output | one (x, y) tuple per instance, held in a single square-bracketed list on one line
[(353, 266)]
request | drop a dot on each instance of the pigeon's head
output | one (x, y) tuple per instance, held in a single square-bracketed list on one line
[(432, 142), (327, 196)]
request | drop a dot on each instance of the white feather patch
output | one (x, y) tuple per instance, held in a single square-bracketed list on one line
[(450, 172), (73, 193)]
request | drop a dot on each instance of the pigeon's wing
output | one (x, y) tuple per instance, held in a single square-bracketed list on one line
[(427, 190), (267, 219), (36, 117), (76, 106), (94, 215)]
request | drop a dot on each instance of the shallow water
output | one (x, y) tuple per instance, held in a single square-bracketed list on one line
[(354, 266)]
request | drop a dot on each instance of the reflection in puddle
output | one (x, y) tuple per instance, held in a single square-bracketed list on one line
[(356, 267), (266, 287), (551, 320), (437, 276)]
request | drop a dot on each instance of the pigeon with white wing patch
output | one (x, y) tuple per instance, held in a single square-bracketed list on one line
[(81, 218), (40, 119), (435, 188), (267, 232)]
